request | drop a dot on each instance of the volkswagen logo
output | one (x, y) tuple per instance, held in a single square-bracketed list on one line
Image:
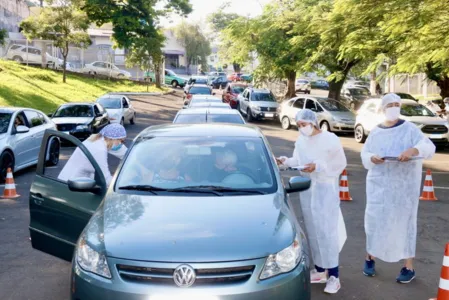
[(184, 276)]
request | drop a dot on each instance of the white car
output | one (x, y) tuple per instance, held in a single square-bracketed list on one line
[(434, 127), (21, 134), (303, 85), (32, 55), (119, 108), (106, 69)]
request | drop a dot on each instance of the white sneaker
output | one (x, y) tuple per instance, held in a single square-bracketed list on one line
[(333, 285), (316, 277)]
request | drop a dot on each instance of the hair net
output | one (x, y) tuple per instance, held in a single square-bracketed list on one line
[(114, 132), (306, 115), (390, 98)]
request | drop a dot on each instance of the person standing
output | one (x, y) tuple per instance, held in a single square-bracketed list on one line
[(392, 189), (324, 159)]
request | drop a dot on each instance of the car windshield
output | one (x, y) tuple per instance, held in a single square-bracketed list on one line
[(332, 105), (200, 90), (215, 118), (406, 96), (410, 110), (190, 119), (238, 89), (74, 111), (111, 103), (262, 97), (5, 118), (359, 92), (202, 163), (200, 80)]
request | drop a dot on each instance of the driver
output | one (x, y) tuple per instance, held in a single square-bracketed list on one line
[(225, 164), (18, 122)]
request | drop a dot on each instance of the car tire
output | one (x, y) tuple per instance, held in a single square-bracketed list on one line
[(325, 126), (359, 134), (285, 123), (132, 121), (174, 84), (18, 59), (249, 116), (6, 161), (55, 148)]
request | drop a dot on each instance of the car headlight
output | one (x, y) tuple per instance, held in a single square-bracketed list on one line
[(283, 261), (82, 127), (255, 107), (91, 261)]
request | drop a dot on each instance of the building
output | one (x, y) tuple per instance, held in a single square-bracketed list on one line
[(12, 12)]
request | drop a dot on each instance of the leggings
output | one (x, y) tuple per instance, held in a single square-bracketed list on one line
[(331, 272)]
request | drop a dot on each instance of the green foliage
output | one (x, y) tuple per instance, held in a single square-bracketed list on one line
[(3, 36), (220, 19), (194, 41)]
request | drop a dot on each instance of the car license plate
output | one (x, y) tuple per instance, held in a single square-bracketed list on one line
[(269, 115), (435, 136)]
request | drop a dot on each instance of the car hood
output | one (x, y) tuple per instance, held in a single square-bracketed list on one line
[(193, 229), (343, 115), (265, 103), (114, 111), (72, 120), (360, 97), (425, 120)]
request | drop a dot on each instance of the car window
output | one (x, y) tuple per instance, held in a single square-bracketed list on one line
[(33, 118), (190, 118), (299, 103), (237, 89), (332, 105), (74, 111), (200, 90), (259, 96), (410, 110), (96, 110), (100, 108), (359, 92), (43, 119), (319, 108), (99, 64), (5, 119), (14, 47), (310, 104), (24, 50), (110, 103), (215, 118), (124, 103), (229, 162)]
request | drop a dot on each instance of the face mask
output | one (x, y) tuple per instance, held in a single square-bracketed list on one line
[(392, 113), (116, 147), (118, 151), (307, 131)]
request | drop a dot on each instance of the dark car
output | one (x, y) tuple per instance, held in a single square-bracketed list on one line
[(198, 89), (219, 82), (354, 97), (80, 119), (320, 85)]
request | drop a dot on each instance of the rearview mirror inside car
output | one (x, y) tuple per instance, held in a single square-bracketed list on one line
[(297, 184), (82, 185), (22, 129)]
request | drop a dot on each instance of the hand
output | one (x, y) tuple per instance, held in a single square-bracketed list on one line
[(280, 161), (407, 154), (377, 160), (309, 168)]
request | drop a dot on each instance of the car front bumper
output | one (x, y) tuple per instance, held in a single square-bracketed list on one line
[(265, 115), (82, 135), (441, 139), (291, 286), (342, 127)]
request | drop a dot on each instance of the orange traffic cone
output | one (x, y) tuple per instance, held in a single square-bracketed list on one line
[(10, 186), (443, 288), (344, 187), (428, 193)]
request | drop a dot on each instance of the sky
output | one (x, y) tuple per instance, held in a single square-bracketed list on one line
[(202, 8)]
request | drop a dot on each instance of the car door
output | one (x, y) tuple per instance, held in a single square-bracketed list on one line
[(131, 110), (22, 143), (293, 110), (320, 113), (58, 215), (104, 115), (35, 124), (245, 103)]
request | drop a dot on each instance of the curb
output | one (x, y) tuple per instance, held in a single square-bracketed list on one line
[(172, 91)]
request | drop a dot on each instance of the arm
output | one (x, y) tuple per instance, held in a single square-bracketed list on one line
[(102, 160), (292, 161), (423, 144), (335, 161), (367, 155)]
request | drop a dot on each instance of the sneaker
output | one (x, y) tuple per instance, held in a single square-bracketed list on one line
[(317, 277), (332, 285), (406, 275), (369, 269)]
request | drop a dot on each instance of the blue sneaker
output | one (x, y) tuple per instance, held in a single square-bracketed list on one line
[(406, 276), (369, 269)]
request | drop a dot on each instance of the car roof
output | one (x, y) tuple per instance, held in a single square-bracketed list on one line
[(212, 97), (209, 104), (78, 103), (259, 90), (208, 110), (403, 101), (14, 109), (200, 85), (111, 96), (202, 130)]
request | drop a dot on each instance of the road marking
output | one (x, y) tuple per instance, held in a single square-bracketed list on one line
[(441, 187)]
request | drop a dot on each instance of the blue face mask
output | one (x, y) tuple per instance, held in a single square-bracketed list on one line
[(116, 147)]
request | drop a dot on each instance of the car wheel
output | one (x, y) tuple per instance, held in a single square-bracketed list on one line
[(285, 123), (249, 116), (6, 161), (325, 126), (54, 153), (132, 121), (17, 59), (174, 83), (359, 134)]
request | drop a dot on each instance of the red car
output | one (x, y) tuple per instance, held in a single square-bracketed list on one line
[(235, 77), (231, 92)]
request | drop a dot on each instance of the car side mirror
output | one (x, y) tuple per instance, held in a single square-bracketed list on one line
[(22, 129), (82, 185), (50, 115), (298, 184)]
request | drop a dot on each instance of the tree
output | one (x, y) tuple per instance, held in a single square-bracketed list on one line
[(3, 36), (62, 23), (193, 40)]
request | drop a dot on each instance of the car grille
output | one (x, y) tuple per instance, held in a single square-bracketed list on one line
[(66, 127), (435, 129), (268, 109), (203, 276)]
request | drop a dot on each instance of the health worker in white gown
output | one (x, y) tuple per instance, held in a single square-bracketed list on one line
[(392, 188), (322, 155)]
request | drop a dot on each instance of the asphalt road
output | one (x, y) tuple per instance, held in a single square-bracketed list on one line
[(29, 274)]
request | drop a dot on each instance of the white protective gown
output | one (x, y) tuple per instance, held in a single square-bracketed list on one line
[(320, 204), (392, 191)]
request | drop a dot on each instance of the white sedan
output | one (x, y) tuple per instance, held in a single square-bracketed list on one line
[(119, 108), (106, 69)]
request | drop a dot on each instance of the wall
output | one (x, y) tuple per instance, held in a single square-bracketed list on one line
[(11, 13)]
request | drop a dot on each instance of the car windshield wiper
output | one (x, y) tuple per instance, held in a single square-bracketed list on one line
[(153, 189), (224, 189), (146, 188)]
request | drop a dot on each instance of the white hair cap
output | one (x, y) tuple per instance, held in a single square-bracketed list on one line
[(390, 98), (306, 115)]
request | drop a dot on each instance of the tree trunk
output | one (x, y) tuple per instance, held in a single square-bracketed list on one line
[(64, 61), (291, 77), (44, 54), (157, 75), (373, 83), (443, 84), (237, 67), (335, 89)]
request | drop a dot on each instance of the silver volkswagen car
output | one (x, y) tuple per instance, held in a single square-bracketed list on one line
[(195, 211)]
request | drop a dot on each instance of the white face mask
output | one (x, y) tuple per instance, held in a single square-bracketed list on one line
[(307, 131), (392, 113)]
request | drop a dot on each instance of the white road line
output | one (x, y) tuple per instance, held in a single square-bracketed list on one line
[(441, 187)]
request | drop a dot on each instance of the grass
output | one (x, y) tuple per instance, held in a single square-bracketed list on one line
[(43, 89)]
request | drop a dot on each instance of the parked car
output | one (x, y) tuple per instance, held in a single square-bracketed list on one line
[(319, 85), (235, 77), (106, 69), (435, 128), (22, 131), (119, 108), (208, 115), (31, 55), (258, 104), (171, 78), (198, 89), (357, 84), (405, 96), (332, 115), (303, 85), (231, 92), (219, 82), (246, 77), (80, 119), (146, 239), (216, 74), (196, 80), (209, 104), (198, 98), (354, 97)]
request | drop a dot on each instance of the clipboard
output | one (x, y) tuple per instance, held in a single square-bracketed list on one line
[(297, 168), (395, 158)]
